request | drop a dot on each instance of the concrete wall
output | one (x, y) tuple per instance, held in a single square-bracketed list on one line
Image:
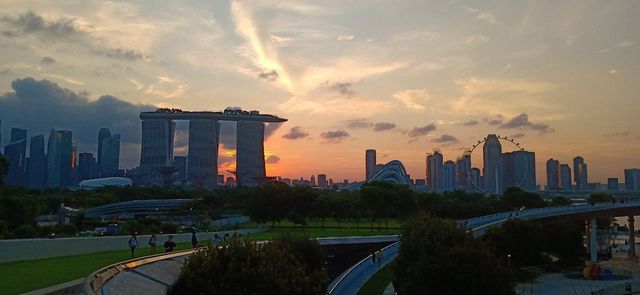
[(31, 249)]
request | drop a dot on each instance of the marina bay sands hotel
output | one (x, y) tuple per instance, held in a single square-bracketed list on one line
[(158, 130)]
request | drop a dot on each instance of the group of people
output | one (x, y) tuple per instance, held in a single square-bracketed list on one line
[(217, 241), (169, 245)]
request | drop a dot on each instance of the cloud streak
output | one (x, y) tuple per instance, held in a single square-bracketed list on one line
[(296, 132), (335, 136), (522, 122), (421, 131)]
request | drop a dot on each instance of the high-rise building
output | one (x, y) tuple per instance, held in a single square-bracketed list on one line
[(180, 163), (37, 164), (322, 181), (449, 176), (476, 179), (565, 177), (110, 156), (66, 157), (15, 153), (492, 170), (519, 170), (87, 167), (157, 143), (632, 179), (435, 164), (312, 180), (553, 174), (580, 173), (612, 184), (463, 171), (370, 163), (103, 134), (53, 159), (202, 161), (250, 153)]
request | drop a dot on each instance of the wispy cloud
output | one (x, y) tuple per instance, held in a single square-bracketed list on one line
[(476, 39), (617, 134), (345, 37), (471, 123), (625, 43), (445, 138), (409, 97), (383, 126)]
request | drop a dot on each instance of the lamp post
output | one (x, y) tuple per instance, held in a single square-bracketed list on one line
[(509, 260)]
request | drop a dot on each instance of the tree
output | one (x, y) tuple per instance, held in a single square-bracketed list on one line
[(564, 239), (437, 257), (4, 168), (515, 238), (283, 266), (560, 201), (600, 197), (302, 198), (515, 198), (270, 202)]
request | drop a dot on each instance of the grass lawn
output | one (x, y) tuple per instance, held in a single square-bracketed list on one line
[(22, 276), (379, 281)]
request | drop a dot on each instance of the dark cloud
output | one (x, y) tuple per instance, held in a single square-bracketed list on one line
[(296, 132), (47, 60), (420, 131), (383, 126), (445, 138), (269, 76), (617, 134), (272, 160), (63, 30), (471, 123), (494, 120), (120, 53), (41, 105), (343, 88), (334, 136), (30, 23), (518, 135), (358, 124), (522, 122)]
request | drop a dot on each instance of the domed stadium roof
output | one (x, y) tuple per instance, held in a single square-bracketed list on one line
[(107, 181), (393, 172)]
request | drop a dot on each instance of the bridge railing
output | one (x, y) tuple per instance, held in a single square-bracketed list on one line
[(94, 282)]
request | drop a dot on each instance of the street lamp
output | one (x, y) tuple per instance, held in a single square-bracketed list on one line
[(509, 260)]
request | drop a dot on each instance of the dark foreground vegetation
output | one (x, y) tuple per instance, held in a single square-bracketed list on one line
[(283, 266)]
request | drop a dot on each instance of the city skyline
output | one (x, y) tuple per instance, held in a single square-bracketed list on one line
[(346, 81)]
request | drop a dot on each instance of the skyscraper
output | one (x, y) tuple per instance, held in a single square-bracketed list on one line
[(180, 163), (103, 134), (110, 156), (202, 162), (580, 173), (157, 143), (632, 179), (463, 171), (475, 179), (250, 153), (15, 153), (87, 167), (322, 181), (449, 176), (565, 177), (553, 176), (492, 170), (435, 164), (519, 170), (66, 157), (370, 163), (37, 164), (53, 159), (612, 184)]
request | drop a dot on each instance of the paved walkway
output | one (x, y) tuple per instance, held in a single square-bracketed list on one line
[(389, 290), (357, 276), (153, 278)]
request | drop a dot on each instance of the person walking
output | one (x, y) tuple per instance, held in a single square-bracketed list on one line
[(169, 245), (373, 257), (379, 257), (153, 240), (133, 243), (194, 239), (216, 240)]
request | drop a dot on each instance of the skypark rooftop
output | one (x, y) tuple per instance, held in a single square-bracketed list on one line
[(229, 114)]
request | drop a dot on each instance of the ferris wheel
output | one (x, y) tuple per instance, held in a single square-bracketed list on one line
[(473, 182)]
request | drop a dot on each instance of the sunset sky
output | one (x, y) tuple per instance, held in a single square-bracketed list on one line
[(402, 77)]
